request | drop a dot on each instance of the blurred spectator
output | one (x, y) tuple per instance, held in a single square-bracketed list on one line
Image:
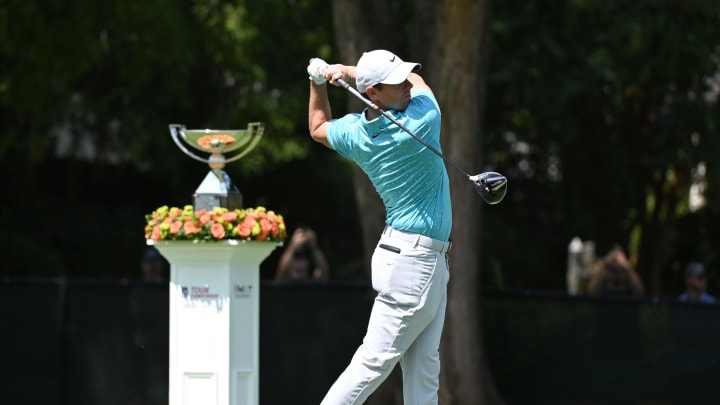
[(580, 260), (696, 285), (615, 276), (302, 258), (152, 266)]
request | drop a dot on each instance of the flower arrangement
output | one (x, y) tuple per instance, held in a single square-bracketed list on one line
[(174, 223)]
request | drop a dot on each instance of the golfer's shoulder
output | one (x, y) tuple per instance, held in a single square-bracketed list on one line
[(423, 97), (345, 123), (423, 104), (345, 128)]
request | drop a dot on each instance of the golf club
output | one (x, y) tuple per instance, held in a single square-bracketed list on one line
[(491, 186)]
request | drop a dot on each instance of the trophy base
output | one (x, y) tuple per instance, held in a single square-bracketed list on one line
[(217, 191), (208, 202)]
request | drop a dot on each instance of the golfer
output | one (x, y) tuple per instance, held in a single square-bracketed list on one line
[(409, 265)]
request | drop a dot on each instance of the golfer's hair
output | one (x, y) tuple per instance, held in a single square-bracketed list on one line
[(377, 86)]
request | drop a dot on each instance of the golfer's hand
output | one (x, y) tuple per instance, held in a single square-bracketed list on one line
[(337, 71), (316, 69)]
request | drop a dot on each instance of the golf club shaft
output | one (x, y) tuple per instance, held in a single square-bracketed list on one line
[(369, 103)]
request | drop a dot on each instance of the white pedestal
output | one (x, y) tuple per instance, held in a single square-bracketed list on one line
[(214, 320)]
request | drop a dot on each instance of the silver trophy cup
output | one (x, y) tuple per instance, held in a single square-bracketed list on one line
[(217, 190)]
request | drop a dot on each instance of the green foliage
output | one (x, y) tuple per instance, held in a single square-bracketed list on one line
[(602, 109), (116, 73), (87, 90)]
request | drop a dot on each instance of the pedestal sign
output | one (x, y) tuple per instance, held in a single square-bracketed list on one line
[(214, 320), (214, 285)]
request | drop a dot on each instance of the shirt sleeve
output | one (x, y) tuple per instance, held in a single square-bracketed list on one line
[(339, 136)]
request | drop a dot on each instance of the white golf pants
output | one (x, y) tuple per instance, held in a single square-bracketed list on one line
[(410, 274)]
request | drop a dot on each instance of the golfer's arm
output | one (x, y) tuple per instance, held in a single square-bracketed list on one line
[(319, 113), (418, 82)]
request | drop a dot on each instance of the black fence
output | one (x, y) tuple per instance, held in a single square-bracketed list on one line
[(555, 349), (93, 342)]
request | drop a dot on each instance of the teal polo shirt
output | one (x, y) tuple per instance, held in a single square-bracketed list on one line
[(411, 180)]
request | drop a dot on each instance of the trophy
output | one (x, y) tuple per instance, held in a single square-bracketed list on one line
[(217, 190)]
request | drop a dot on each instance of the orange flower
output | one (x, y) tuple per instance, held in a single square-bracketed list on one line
[(175, 227), (204, 219), (243, 232), (229, 216), (245, 227), (265, 228), (156, 234), (262, 235), (218, 231), (190, 228)]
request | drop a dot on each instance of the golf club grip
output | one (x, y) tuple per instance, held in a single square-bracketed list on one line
[(342, 83)]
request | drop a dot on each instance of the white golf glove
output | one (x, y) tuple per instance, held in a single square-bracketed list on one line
[(316, 70)]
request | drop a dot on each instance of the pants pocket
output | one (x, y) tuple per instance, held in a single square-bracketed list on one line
[(401, 279)]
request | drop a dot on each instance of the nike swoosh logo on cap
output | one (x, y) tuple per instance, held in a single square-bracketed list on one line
[(392, 59)]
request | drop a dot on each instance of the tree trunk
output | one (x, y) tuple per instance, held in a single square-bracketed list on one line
[(353, 37), (459, 82)]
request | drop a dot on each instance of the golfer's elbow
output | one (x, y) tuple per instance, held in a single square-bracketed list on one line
[(319, 134)]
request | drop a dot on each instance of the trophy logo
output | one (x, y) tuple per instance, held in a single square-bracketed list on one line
[(217, 190)]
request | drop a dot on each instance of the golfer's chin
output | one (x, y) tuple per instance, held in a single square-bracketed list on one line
[(402, 105)]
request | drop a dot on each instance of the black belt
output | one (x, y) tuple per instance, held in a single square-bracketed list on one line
[(422, 240)]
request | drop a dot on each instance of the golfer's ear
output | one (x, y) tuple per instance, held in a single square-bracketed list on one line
[(371, 93)]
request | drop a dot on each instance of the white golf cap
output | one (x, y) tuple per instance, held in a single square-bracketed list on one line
[(381, 66)]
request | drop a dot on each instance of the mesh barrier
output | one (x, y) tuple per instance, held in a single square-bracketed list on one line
[(98, 342), (308, 333), (31, 344), (117, 344), (91, 342), (565, 350)]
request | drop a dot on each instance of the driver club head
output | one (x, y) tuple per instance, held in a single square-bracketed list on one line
[(492, 186)]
